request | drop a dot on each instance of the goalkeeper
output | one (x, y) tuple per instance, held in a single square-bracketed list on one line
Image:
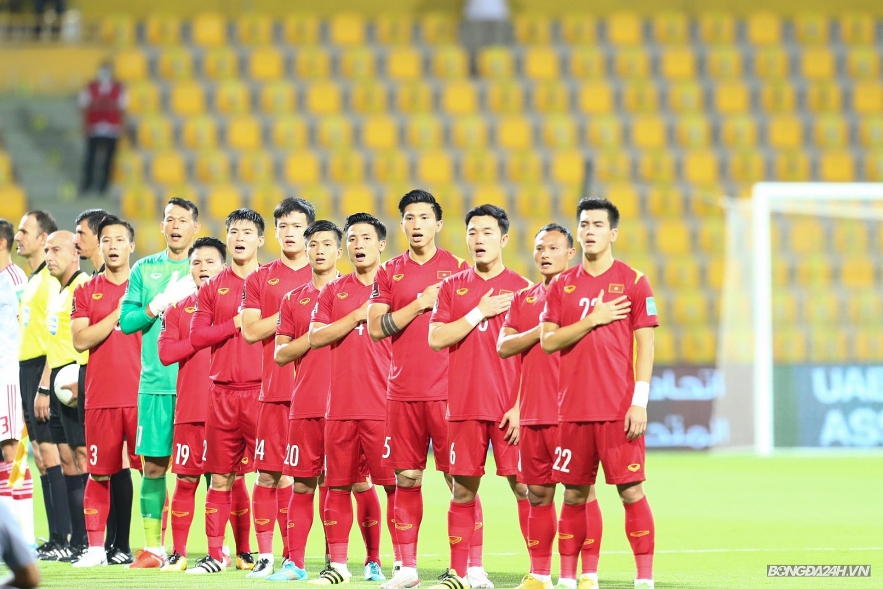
[(156, 283)]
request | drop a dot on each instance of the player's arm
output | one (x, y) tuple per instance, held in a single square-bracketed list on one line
[(203, 332), (382, 323), (134, 314), (171, 346), (511, 342), (256, 328), (555, 337), (444, 335), (636, 417), (41, 403), (322, 334), (88, 336), (289, 349)]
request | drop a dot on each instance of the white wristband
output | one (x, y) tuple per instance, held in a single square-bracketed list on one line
[(474, 317), (641, 395)]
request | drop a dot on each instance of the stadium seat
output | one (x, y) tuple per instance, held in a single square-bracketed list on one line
[(858, 272), (541, 63), (657, 165), (369, 97), (874, 166), (138, 201), (791, 166), (857, 28), (731, 98), (220, 63), (771, 63), (531, 29), (690, 307), (665, 201), (789, 346), (665, 347), (289, 132), (200, 132), (301, 29), (850, 236), (778, 97), (862, 305), (117, 29), (334, 132), (567, 167), (739, 131), (504, 96), (319, 195), (786, 306), (586, 62), (534, 200), (785, 131), (449, 62), (701, 167), (678, 63), (459, 98), (154, 132), (595, 98), (711, 235), (256, 166), (302, 167), (717, 27), (380, 132), (671, 28), (13, 202), (824, 97), (813, 270), (480, 166), (221, 199), (870, 131), (550, 97), (837, 166), (495, 62), (640, 96), (355, 199), (390, 166), (828, 345), (394, 29), (346, 166), (747, 166), (868, 346), (686, 97), (523, 166), (723, 62), (822, 308), (347, 29), (414, 97), (469, 132), (631, 62), (438, 28), (561, 131), (424, 132), (579, 29), (310, 63), (278, 98), (265, 64), (212, 166), (162, 29), (6, 176), (648, 132), (492, 194), (130, 65), (128, 167), (435, 167), (863, 63), (714, 272), (699, 345), (624, 28), (811, 28), (254, 29), (244, 132), (693, 131), (175, 63), (514, 132), (144, 98), (867, 98), (817, 63), (323, 98), (404, 63), (609, 165), (168, 167), (763, 28), (232, 97), (208, 29), (673, 237)]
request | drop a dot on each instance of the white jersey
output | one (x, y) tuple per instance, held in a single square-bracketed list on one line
[(12, 285)]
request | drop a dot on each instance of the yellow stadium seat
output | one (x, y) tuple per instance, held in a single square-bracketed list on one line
[(567, 166), (369, 96), (200, 132), (118, 29), (837, 166), (278, 98), (187, 98), (785, 131), (858, 272), (861, 306), (686, 97), (232, 97), (625, 29), (724, 62), (302, 167), (221, 199), (665, 347), (690, 307), (693, 131), (289, 132), (347, 29), (665, 201), (792, 166), (532, 29), (640, 96), (822, 308), (868, 346), (323, 98), (128, 167), (144, 98), (671, 27), (551, 97), (523, 166), (220, 63), (13, 202), (208, 29), (831, 131), (212, 165), (657, 166), (817, 63), (587, 62), (673, 237), (130, 65), (181, 190), (678, 63), (631, 62), (424, 132), (858, 28), (714, 272), (319, 195), (358, 63), (492, 194), (266, 64), (824, 97), (414, 97), (312, 63), (496, 61), (648, 131), (610, 165), (747, 166), (390, 166), (739, 131), (717, 27), (596, 98), (404, 63), (874, 167), (534, 200), (334, 132), (356, 199), (711, 235), (480, 166), (732, 98), (301, 29), (380, 132), (863, 63), (155, 132), (541, 63), (394, 29), (763, 28), (168, 167), (162, 29), (244, 132), (605, 131), (701, 167), (790, 346), (867, 98), (579, 29), (514, 132), (435, 167), (6, 168), (346, 166), (470, 132), (778, 97), (786, 304), (628, 201), (254, 29), (504, 96), (559, 130), (811, 28), (449, 62), (255, 166), (850, 236), (459, 98), (438, 28), (771, 63), (138, 201), (870, 131)]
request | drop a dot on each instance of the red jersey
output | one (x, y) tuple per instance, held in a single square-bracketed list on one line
[(234, 364), (597, 374), (360, 366), (312, 371), (193, 366), (481, 385), (264, 289), (539, 370), (416, 373), (114, 368)]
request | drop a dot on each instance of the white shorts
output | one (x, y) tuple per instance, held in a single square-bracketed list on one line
[(11, 418)]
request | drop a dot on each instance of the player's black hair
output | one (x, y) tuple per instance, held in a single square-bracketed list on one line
[(294, 205), (45, 221), (185, 204), (110, 220), (560, 229), (369, 219), (320, 226), (93, 218), (598, 204), (209, 242), (491, 211), (416, 196), (245, 215), (7, 232)]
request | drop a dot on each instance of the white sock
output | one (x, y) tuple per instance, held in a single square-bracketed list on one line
[(97, 550), (569, 583), (475, 571), (157, 550), (592, 576), (408, 571), (543, 578), (267, 556), (647, 581), (341, 568)]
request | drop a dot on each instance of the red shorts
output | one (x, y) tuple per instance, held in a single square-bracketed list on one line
[(536, 449), (305, 454), (189, 449), (351, 444), (106, 429), (269, 450), (582, 446), (468, 446), (230, 430), (410, 427)]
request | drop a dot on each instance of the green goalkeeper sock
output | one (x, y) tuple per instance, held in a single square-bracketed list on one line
[(153, 498)]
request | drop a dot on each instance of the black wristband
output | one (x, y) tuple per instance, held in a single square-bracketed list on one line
[(43, 391)]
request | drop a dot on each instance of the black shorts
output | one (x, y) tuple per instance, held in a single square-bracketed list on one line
[(29, 374), (64, 423), (81, 396)]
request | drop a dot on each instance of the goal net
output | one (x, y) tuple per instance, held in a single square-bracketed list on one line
[(800, 347)]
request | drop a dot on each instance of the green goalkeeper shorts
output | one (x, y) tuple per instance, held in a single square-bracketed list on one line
[(156, 421)]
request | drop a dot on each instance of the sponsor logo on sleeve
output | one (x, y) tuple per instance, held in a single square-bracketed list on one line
[(651, 306)]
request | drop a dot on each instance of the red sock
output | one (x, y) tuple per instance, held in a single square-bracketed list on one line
[(476, 544), (165, 520), (264, 512), (240, 520), (183, 506), (391, 523), (96, 506), (323, 501), (571, 534), (591, 550), (300, 520), (461, 528), (523, 515), (217, 513), (641, 533), (408, 516), (338, 520), (369, 516), (283, 498), (542, 524)]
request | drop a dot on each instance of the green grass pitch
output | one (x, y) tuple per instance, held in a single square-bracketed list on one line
[(720, 519)]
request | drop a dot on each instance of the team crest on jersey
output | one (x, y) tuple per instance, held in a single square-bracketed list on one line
[(273, 281), (343, 295), (462, 291), (304, 301), (156, 275), (569, 288), (530, 300), (398, 277), (97, 296), (442, 274), (615, 288), (189, 309), (223, 291)]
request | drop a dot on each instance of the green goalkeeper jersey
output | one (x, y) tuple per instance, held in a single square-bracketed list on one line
[(148, 278)]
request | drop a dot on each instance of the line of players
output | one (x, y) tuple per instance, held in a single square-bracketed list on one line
[(371, 403)]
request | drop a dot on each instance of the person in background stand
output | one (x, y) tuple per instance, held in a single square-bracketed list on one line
[(103, 102)]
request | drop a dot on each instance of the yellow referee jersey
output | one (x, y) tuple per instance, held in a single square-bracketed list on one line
[(58, 319), (32, 313)]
